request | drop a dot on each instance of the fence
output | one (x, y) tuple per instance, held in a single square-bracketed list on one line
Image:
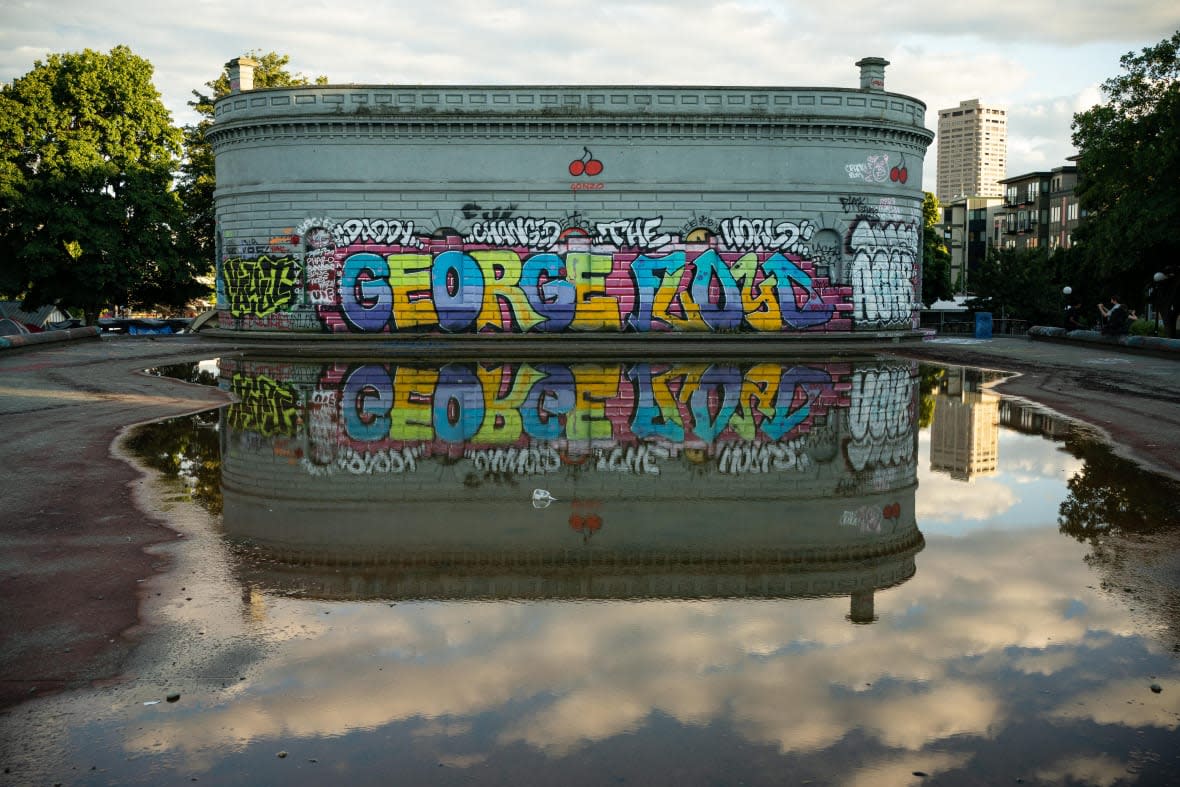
[(964, 324)]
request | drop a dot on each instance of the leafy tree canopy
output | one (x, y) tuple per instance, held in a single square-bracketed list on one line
[(1023, 285), (936, 258), (197, 174), (1129, 167), (1111, 495), (88, 215)]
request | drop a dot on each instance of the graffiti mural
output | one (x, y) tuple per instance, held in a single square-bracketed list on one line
[(541, 419), (881, 418), (519, 274), (882, 271), (536, 478), (874, 169), (260, 286)]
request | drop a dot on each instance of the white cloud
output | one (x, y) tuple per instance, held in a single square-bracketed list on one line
[(940, 53), (793, 674), (1035, 20), (1096, 770), (981, 500), (1128, 702)]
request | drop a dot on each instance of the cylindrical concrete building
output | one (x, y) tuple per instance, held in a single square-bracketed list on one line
[(377, 210), (370, 479)]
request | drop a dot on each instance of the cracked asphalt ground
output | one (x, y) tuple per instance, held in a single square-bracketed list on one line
[(72, 542)]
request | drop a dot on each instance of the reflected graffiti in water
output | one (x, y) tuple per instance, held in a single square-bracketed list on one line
[(685, 480), (1005, 658)]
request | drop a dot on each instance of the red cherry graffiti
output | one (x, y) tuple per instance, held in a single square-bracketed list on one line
[(587, 165), (899, 174), (586, 525)]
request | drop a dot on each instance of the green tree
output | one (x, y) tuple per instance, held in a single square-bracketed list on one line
[(197, 173), (1129, 170), (184, 450), (930, 379), (1021, 285), (936, 258), (88, 214), (1111, 495)]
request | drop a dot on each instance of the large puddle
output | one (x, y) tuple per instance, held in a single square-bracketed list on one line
[(830, 572)]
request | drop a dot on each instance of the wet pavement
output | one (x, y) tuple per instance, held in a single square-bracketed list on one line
[(1131, 398), (90, 548)]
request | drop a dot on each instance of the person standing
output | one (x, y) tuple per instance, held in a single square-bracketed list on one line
[(1115, 320)]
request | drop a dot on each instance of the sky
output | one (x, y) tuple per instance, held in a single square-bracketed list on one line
[(1041, 59)]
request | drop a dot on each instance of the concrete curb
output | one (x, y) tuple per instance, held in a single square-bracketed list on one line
[(559, 346), (48, 337), (1155, 345)]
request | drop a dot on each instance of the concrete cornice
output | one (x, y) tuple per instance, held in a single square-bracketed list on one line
[(470, 103), (655, 127)]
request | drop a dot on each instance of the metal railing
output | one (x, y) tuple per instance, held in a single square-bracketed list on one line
[(1001, 326)]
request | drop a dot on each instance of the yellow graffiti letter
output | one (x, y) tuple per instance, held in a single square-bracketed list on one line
[(409, 280), (413, 396), (593, 386), (595, 309), (501, 271), (501, 420), (762, 310)]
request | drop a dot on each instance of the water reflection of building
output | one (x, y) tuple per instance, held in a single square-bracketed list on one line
[(965, 429), (1032, 419), (682, 480)]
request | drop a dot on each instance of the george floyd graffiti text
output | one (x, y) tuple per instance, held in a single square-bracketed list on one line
[(521, 274)]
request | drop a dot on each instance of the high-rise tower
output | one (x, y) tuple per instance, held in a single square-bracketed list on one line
[(972, 151)]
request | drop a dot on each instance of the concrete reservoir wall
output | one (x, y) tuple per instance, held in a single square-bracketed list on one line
[(354, 209), (368, 479)]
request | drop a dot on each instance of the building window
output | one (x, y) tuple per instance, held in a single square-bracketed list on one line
[(1055, 214), (1071, 212)]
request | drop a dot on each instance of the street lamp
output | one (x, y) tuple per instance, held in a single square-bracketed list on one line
[(1155, 307), (1070, 317)]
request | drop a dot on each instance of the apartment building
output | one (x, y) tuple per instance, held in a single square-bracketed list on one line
[(1040, 210), (1064, 213), (965, 228), (972, 151)]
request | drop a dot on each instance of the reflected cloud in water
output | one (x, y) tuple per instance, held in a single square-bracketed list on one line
[(740, 576)]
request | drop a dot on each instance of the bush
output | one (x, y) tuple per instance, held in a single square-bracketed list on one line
[(1143, 328)]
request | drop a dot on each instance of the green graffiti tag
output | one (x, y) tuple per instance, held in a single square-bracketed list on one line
[(264, 406), (261, 286)]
